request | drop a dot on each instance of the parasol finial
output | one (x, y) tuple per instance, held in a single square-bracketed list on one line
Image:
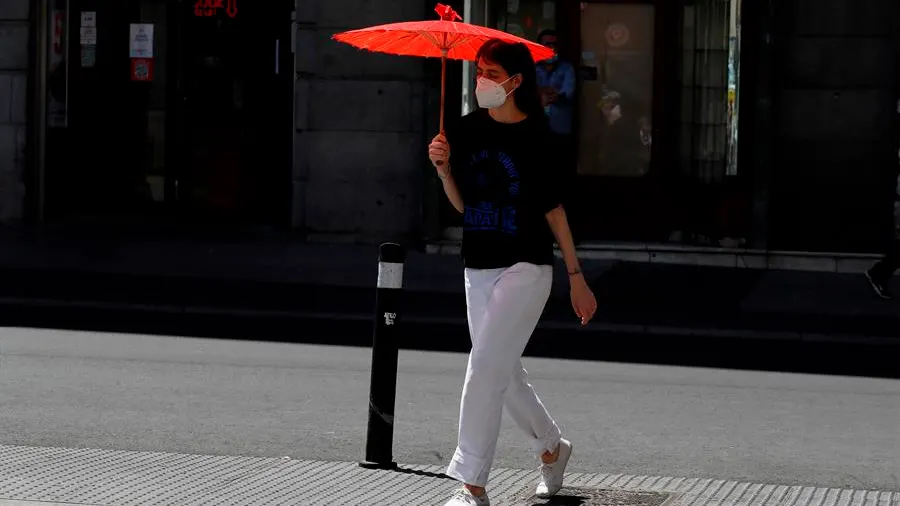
[(447, 13)]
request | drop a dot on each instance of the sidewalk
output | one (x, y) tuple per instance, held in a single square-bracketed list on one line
[(279, 277), (31, 476)]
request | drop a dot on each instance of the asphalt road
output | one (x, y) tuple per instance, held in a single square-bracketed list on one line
[(172, 394)]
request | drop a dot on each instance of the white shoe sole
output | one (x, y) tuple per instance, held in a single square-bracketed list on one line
[(563, 458)]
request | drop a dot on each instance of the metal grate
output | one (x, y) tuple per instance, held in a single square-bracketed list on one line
[(582, 496)]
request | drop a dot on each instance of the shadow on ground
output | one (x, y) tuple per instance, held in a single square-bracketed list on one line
[(577, 496)]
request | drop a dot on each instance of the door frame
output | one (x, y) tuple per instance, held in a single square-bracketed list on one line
[(664, 150)]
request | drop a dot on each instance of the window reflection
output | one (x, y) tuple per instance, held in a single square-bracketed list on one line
[(617, 95), (709, 113), (713, 209), (697, 181), (57, 81)]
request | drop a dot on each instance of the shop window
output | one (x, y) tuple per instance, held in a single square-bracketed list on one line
[(710, 86), (713, 204), (100, 54)]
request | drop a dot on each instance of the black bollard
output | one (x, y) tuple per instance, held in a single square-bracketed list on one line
[(385, 350)]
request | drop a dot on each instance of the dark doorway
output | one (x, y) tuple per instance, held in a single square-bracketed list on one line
[(237, 111), (177, 112)]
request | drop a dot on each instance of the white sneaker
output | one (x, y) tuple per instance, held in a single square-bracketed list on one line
[(463, 497), (552, 474)]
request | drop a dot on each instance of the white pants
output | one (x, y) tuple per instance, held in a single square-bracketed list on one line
[(504, 306)]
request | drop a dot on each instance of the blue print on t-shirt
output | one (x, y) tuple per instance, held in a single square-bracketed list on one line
[(486, 217), (483, 216), (496, 181)]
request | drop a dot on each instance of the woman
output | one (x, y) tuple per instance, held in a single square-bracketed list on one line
[(497, 170)]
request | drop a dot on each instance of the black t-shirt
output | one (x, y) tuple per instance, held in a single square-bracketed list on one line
[(505, 176)]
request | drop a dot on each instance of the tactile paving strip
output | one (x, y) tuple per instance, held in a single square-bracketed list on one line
[(119, 478)]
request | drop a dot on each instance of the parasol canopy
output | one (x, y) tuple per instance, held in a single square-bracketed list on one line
[(445, 38)]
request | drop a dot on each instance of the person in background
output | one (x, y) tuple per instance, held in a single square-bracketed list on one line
[(881, 273), (556, 83)]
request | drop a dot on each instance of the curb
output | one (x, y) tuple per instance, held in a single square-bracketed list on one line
[(793, 352), (551, 325)]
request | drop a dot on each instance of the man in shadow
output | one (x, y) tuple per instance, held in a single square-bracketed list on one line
[(881, 273), (556, 82)]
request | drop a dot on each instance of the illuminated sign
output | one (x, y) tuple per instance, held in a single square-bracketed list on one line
[(209, 8)]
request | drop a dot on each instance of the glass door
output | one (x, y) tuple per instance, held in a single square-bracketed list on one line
[(167, 111), (236, 110), (108, 159), (626, 89), (616, 100)]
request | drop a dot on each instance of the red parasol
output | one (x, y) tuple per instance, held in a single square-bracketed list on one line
[(446, 38)]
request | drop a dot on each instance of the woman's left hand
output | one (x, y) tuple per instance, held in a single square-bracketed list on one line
[(583, 301)]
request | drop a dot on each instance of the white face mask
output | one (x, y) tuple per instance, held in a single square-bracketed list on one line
[(489, 94), (614, 114)]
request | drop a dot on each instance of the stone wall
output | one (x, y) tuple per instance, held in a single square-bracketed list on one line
[(13, 96), (834, 147), (360, 126), (897, 172)]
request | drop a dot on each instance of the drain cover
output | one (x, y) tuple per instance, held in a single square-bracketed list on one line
[(573, 496)]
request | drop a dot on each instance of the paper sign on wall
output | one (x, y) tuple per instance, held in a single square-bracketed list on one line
[(88, 56), (89, 35), (142, 40), (88, 18)]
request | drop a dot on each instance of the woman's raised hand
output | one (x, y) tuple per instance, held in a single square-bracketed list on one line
[(439, 153)]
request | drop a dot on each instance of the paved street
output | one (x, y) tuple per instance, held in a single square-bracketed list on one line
[(128, 392)]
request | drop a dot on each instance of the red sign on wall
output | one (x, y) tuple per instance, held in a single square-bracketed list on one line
[(142, 69), (59, 25), (209, 8)]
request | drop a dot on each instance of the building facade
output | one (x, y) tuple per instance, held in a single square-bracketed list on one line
[(14, 41), (727, 123), (720, 123), (224, 114), (830, 170), (362, 121)]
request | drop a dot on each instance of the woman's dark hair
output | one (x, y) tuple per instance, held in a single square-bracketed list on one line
[(515, 58)]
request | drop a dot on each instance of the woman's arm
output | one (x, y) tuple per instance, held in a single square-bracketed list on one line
[(451, 190), (559, 224), (583, 301)]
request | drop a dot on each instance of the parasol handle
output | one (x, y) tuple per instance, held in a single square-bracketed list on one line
[(443, 91), (443, 86)]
